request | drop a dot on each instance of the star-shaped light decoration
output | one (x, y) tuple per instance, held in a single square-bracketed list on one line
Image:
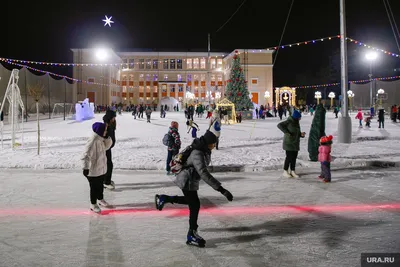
[(108, 21)]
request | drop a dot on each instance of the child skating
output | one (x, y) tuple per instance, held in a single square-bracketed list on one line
[(195, 169), (94, 163), (359, 117), (324, 156)]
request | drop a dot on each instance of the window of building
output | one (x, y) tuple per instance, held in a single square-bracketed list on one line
[(213, 77), (125, 65), (203, 63), (180, 88), (195, 63), (203, 77), (124, 89), (172, 88), (213, 63), (141, 76), (148, 64), (172, 64), (91, 80), (165, 77), (148, 79), (165, 64), (141, 63), (220, 78), (179, 63), (131, 63), (124, 77), (196, 77), (219, 63), (179, 76), (155, 77), (155, 64), (189, 77), (189, 63)]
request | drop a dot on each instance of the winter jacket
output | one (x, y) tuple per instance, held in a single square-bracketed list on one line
[(324, 154), (111, 130), (148, 112), (291, 129), (94, 157), (381, 115), (195, 169), (174, 143), (359, 116)]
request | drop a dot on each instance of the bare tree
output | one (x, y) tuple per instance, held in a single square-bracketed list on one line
[(36, 92)]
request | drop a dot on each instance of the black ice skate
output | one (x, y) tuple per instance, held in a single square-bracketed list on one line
[(160, 201), (194, 239)]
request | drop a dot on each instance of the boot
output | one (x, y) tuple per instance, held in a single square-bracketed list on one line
[(160, 201), (193, 238), (287, 174), (294, 174), (95, 208), (103, 203)]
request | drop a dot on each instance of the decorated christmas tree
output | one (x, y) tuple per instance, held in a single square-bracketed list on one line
[(236, 89)]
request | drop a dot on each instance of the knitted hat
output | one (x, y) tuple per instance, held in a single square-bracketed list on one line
[(209, 138), (326, 139), (174, 124), (216, 128), (296, 114), (99, 128)]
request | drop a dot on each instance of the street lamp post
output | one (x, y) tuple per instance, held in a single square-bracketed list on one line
[(267, 95), (331, 96), (380, 94), (318, 96), (371, 57), (350, 94)]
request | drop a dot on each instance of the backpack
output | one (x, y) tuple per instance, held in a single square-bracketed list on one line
[(180, 159), (165, 139)]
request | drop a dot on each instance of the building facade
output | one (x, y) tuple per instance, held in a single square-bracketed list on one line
[(148, 77)]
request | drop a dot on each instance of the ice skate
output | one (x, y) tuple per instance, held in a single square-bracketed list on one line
[(320, 177), (326, 181), (109, 186), (294, 174), (95, 208), (194, 239), (103, 203), (160, 201), (287, 174)]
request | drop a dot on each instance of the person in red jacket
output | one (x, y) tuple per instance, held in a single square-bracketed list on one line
[(324, 156), (359, 117)]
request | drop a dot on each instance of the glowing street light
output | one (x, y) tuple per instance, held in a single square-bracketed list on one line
[(350, 94), (371, 57), (101, 54), (331, 96), (380, 94), (318, 96)]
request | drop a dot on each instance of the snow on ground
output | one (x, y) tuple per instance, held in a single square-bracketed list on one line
[(272, 221), (252, 143)]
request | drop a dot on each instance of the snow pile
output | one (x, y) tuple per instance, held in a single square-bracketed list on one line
[(139, 146)]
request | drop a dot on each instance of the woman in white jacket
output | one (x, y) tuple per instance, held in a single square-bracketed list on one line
[(94, 163)]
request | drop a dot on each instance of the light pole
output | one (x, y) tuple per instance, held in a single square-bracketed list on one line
[(350, 94), (101, 55), (380, 94), (331, 96), (267, 95), (344, 126), (371, 57), (318, 96)]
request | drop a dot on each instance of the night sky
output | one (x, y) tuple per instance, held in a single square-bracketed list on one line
[(45, 31)]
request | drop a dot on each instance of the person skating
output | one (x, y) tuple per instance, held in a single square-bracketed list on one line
[(174, 144), (336, 111), (94, 163), (280, 112), (1, 119), (359, 117), (148, 114), (215, 119), (291, 142), (109, 119), (381, 118), (141, 110), (324, 156), (195, 169), (134, 111)]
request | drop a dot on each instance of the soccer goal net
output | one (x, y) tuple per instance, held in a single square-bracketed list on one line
[(58, 110)]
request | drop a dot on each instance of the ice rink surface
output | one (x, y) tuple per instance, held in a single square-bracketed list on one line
[(273, 221)]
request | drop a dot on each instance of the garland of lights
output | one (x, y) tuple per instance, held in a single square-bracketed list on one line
[(160, 62), (297, 87)]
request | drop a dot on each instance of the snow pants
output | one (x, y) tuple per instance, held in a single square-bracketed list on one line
[(110, 167), (290, 160), (171, 154), (326, 170), (191, 199), (96, 188)]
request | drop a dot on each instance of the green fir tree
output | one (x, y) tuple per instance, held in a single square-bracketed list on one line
[(236, 89)]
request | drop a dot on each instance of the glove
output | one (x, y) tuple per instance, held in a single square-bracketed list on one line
[(85, 173), (226, 193)]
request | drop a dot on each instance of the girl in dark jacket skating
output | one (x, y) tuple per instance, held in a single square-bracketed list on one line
[(194, 170)]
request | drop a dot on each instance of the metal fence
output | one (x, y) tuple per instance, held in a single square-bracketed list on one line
[(56, 94)]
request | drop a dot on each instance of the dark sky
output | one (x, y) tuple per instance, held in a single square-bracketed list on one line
[(46, 30)]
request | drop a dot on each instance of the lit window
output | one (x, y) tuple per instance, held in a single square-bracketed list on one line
[(213, 77), (195, 63), (203, 63), (155, 77), (125, 65), (196, 77), (141, 76), (220, 63), (180, 88), (165, 64), (189, 63), (213, 63), (124, 89), (141, 64), (148, 64), (91, 80), (203, 77), (131, 63), (220, 78), (155, 64), (165, 77), (179, 64), (147, 77), (172, 64), (179, 77), (189, 77)]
